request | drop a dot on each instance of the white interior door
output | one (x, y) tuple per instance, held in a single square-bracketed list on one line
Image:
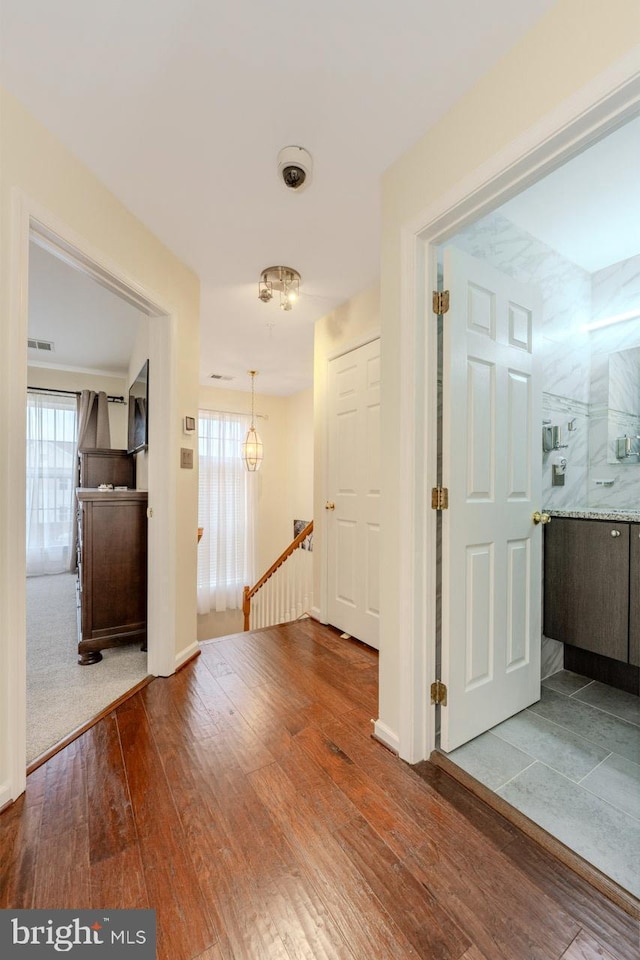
[(353, 505), (491, 560)]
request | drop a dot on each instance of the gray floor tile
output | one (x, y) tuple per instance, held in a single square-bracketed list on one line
[(556, 746), (593, 828), (617, 702), (564, 681), (611, 733), (490, 760), (617, 781)]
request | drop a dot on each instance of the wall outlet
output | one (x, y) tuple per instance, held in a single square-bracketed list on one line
[(186, 458)]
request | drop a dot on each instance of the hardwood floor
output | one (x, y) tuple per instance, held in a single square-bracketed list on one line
[(246, 801)]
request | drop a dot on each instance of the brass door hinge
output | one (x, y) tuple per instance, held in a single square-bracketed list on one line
[(439, 498), (440, 301), (439, 693)]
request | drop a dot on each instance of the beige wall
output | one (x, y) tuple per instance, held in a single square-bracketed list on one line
[(285, 479), (346, 327), (70, 380), (300, 454), (34, 165), (569, 47)]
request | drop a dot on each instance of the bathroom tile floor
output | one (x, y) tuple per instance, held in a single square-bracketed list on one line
[(571, 763)]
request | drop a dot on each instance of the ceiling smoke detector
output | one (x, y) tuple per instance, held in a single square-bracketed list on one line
[(295, 166)]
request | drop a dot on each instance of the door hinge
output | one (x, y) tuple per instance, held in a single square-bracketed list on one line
[(440, 301), (439, 498), (439, 693)]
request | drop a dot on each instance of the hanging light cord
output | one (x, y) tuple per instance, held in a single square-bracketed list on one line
[(253, 386)]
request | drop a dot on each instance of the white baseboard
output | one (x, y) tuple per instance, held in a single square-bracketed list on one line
[(316, 614), (186, 654), (387, 736), (5, 795)]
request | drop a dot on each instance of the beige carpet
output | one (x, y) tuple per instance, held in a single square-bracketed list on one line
[(61, 695)]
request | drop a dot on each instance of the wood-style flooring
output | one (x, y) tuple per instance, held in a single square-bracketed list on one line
[(245, 800)]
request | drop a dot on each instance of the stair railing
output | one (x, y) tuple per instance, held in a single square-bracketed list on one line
[(283, 593)]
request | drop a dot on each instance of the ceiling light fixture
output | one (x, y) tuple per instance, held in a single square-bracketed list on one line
[(282, 280), (252, 446)]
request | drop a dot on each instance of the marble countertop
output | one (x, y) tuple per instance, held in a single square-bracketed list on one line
[(598, 513)]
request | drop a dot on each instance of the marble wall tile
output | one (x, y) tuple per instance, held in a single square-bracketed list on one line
[(616, 289), (560, 411), (624, 380)]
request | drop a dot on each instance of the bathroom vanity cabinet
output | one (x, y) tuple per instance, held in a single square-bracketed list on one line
[(592, 591), (634, 595)]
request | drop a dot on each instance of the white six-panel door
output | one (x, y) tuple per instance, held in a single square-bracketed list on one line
[(491, 572), (353, 514)]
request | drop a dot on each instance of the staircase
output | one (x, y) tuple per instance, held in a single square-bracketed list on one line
[(284, 592)]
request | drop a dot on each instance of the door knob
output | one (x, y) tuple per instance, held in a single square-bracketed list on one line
[(541, 517), (615, 533), (329, 505)]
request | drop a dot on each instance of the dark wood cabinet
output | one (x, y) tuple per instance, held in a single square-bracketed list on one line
[(112, 570), (634, 594), (107, 466), (586, 585)]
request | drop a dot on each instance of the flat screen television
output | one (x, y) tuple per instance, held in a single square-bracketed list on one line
[(139, 411)]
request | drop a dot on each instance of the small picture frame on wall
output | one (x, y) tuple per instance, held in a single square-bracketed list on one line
[(298, 527)]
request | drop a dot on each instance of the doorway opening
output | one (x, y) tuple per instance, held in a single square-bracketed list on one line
[(570, 759), (91, 339), (32, 223)]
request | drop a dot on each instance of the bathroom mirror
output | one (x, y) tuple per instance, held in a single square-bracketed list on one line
[(623, 407)]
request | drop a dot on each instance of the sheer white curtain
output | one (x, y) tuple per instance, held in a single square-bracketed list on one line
[(51, 446), (226, 510)]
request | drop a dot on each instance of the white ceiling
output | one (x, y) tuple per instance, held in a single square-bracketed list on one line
[(92, 329), (589, 209), (181, 106)]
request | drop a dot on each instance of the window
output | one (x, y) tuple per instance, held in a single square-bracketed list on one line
[(226, 510), (51, 452)]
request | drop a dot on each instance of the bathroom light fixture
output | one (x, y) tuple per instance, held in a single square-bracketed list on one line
[(252, 446), (608, 321), (284, 280)]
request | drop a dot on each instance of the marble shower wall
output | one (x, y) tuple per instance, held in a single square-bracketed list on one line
[(565, 346), (615, 386)]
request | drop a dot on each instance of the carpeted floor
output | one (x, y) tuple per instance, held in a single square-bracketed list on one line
[(61, 695)]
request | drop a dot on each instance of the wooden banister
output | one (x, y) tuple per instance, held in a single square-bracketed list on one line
[(249, 592)]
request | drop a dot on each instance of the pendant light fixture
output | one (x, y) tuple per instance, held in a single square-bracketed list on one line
[(252, 446)]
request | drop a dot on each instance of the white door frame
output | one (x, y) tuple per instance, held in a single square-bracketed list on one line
[(602, 106), (31, 221)]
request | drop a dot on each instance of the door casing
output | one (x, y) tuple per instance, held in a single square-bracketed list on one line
[(31, 221)]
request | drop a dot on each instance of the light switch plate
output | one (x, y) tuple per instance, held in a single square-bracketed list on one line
[(186, 458)]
